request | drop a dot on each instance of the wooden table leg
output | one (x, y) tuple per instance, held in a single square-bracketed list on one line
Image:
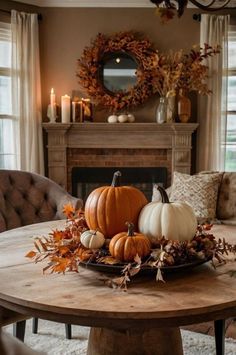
[(220, 336), (35, 323), (161, 341), (19, 330), (68, 331)]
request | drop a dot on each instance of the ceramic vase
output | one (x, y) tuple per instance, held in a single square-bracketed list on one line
[(184, 107), (171, 109)]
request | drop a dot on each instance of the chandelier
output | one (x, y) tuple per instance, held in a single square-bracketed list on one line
[(167, 8)]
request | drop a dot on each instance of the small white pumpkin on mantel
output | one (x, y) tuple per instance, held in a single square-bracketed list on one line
[(122, 118), (131, 118), (112, 119), (92, 239), (172, 220)]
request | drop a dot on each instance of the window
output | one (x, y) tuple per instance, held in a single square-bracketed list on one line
[(230, 159), (7, 157)]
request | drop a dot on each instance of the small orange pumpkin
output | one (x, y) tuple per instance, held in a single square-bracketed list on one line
[(126, 245), (109, 207)]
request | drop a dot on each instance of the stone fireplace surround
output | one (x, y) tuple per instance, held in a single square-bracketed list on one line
[(120, 145)]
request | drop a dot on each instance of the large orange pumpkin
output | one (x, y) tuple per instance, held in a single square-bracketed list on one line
[(108, 208), (126, 245)]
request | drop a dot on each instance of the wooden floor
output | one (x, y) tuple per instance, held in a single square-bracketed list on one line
[(208, 328)]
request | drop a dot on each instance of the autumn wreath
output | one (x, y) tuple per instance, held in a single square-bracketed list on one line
[(89, 66)]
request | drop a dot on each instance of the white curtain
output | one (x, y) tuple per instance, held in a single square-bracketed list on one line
[(26, 91), (212, 109)]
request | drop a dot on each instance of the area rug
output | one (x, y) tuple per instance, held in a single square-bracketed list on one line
[(51, 339)]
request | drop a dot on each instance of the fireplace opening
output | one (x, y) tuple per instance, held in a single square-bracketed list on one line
[(86, 179)]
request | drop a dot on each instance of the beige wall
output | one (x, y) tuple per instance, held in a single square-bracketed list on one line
[(64, 32)]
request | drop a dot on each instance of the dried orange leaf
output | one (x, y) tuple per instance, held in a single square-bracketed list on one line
[(68, 210), (137, 259), (134, 270), (43, 245), (47, 267), (36, 246), (31, 254), (63, 250), (57, 235), (86, 255), (109, 260)]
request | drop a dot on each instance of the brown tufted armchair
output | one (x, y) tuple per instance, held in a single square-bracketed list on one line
[(27, 198)]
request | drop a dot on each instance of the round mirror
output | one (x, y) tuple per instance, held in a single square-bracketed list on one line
[(118, 72)]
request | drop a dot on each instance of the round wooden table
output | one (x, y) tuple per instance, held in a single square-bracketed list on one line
[(143, 320)]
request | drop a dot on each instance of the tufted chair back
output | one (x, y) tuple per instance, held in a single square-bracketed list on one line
[(27, 198), (226, 206)]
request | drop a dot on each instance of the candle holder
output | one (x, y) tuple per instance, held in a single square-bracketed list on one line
[(87, 110), (77, 111), (52, 113)]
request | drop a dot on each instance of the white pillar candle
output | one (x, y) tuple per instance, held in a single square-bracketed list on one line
[(65, 109), (53, 105)]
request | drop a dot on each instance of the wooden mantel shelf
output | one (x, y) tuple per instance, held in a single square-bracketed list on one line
[(104, 125), (120, 135), (62, 137), (121, 127)]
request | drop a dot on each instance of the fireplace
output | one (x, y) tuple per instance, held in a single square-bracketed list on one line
[(86, 179), (116, 146)]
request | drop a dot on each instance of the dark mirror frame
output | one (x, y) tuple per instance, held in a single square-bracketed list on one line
[(89, 67)]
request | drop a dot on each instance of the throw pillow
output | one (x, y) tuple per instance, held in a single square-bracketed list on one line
[(199, 191), (156, 196)]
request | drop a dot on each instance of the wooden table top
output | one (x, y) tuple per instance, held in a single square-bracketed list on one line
[(200, 294)]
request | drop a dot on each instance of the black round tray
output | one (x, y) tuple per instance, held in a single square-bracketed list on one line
[(145, 270)]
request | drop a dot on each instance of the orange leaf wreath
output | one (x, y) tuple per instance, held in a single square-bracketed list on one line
[(89, 66)]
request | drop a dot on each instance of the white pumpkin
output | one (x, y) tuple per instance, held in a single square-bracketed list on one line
[(131, 117), (92, 239), (172, 220), (122, 118), (112, 119)]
